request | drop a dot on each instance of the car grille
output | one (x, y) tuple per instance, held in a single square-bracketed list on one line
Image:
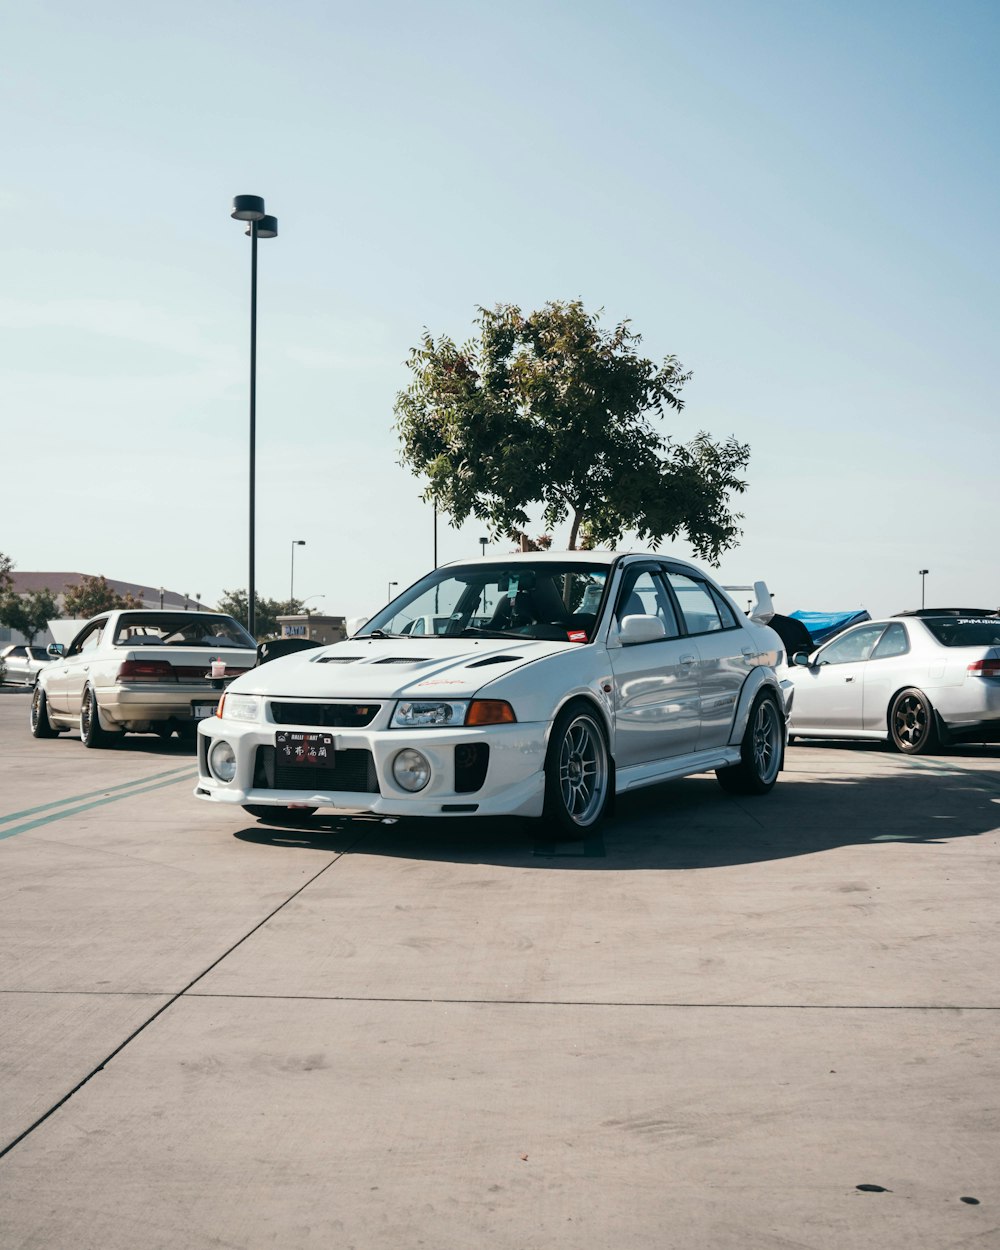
[(353, 771), (335, 715)]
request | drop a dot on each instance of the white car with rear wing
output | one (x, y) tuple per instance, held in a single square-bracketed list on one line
[(557, 681)]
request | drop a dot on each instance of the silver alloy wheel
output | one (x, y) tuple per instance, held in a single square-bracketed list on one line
[(88, 711), (766, 739), (583, 771)]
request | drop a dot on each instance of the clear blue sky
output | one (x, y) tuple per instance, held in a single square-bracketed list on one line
[(798, 198)]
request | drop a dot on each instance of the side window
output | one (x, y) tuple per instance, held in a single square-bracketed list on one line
[(726, 613), (643, 594), (852, 647), (90, 640), (698, 607), (893, 642)]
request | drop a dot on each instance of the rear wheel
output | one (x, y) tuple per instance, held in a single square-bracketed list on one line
[(761, 751), (577, 772), (41, 726), (91, 733), (911, 723)]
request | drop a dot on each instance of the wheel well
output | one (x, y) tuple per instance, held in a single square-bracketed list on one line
[(591, 705), (895, 695)]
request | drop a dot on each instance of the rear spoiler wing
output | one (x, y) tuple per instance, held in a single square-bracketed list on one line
[(763, 607)]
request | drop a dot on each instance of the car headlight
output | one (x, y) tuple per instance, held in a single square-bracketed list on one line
[(239, 707), (411, 770), (414, 713), (222, 761)]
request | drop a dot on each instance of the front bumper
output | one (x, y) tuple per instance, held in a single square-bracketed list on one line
[(514, 782)]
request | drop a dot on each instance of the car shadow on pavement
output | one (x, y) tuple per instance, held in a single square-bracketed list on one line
[(692, 824)]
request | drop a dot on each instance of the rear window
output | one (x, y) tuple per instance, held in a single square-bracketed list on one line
[(978, 631), (181, 629)]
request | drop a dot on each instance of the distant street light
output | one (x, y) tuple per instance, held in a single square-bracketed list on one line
[(250, 208), (296, 542), (923, 574), (482, 544), (389, 594), (161, 598)]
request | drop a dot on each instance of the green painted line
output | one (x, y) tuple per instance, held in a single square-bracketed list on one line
[(86, 807), (75, 798)]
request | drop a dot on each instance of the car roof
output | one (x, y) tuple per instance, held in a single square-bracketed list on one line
[(561, 557)]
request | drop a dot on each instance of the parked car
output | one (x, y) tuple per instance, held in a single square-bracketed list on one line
[(21, 663), (139, 671), (594, 673), (916, 681)]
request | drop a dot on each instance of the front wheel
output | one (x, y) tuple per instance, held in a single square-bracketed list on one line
[(761, 751), (577, 772), (911, 723), (41, 726)]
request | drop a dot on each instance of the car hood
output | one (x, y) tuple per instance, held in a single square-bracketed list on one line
[(395, 668)]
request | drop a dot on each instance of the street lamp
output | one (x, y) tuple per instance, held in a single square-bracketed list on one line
[(250, 208), (482, 544), (389, 593), (923, 574), (296, 542)]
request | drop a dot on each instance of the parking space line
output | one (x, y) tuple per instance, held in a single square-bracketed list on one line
[(76, 798), (136, 789)]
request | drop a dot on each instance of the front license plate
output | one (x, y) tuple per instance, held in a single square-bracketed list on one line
[(295, 747), (201, 710)]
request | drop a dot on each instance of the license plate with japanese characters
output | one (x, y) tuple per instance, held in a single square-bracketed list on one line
[(298, 747)]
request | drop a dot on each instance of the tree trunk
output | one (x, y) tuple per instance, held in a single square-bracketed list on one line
[(575, 530)]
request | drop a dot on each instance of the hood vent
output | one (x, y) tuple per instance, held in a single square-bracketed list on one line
[(403, 659), (337, 659), (495, 659)]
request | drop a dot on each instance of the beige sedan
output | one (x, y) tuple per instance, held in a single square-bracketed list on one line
[(140, 671)]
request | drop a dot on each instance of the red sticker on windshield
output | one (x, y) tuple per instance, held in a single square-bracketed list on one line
[(577, 635)]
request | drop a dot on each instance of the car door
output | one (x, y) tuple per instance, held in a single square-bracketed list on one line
[(725, 653), (74, 669), (656, 682), (829, 694)]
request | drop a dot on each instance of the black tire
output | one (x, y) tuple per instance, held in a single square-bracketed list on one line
[(276, 815), (41, 726), (578, 772), (762, 751), (912, 729), (91, 733)]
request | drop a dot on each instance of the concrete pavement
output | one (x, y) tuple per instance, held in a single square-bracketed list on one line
[(724, 1023)]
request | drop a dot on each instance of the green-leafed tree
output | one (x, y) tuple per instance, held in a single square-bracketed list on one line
[(92, 595), (30, 613), (6, 573), (266, 611), (551, 409)]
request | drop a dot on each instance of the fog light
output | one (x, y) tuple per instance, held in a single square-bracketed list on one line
[(411, 770), (222, 761)]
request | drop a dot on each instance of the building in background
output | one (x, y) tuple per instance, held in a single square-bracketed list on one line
[(313, 626)]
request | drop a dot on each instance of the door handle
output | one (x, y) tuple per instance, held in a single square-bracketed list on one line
[(688, 659), (750, 653), (848, 679)]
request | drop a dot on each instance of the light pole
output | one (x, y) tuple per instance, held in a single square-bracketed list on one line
[(923, 575), (389, 593), (296, 542), (482, 544), (250, 208)]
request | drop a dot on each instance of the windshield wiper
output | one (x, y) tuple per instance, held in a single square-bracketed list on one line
[(470, 630)]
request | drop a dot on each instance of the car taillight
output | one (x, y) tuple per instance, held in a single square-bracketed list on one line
[(146, 670), (984, 668)]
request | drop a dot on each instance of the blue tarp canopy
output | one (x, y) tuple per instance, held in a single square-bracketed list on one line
[(823, 625)]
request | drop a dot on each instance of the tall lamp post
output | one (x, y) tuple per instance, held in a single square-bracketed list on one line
[(296, 542), (250, 208), (388, 598), (482, 545), (923, 574)]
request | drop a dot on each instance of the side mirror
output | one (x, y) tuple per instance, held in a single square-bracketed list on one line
[(354, 623), (633, 629), (55, 650), (801, 658)]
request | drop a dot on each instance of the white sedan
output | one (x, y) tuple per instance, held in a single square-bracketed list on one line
[(593, 673), (139, 670)]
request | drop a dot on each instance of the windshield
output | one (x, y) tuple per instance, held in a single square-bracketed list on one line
[(559, 602), (981, 631), (181, 629)]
